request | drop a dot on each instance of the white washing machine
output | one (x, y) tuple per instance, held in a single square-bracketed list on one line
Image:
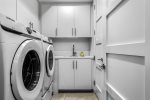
[(21, 62), (38, 36), (49, 68)]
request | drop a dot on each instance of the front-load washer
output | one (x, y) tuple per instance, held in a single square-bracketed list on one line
[(21, 62), (37, 35), (49, 68)]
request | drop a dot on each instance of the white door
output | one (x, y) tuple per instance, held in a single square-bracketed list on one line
[(66, 74), (49, 20), (83, 21), (83, 74), (65, 21), (126, 74)]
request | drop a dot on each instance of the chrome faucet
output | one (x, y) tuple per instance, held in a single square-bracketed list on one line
[(73, 51)]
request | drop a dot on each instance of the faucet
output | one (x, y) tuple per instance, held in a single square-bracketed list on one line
[(73, 51)]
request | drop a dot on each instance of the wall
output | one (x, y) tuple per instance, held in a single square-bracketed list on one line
[(23, 11), (64, 47)]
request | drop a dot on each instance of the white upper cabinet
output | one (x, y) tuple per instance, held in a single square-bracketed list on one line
[(28, 12), (82, 21), (49, 20), (8, 8), (65, 21)]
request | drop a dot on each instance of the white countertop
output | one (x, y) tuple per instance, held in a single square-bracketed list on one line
[(76, 57)]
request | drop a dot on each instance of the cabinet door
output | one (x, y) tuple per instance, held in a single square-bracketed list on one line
[(82, 21), (83, 74), (49, 20), (66, 74), (65, 21)]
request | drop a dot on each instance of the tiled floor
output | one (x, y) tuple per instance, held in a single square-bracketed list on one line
[(75, 96)]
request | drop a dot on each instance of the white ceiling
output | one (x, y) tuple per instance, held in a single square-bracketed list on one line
[(65, 0)]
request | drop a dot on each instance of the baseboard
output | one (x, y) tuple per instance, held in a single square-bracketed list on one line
[(76, 91)]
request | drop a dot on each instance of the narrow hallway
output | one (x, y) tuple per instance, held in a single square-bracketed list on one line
[(75, 96)]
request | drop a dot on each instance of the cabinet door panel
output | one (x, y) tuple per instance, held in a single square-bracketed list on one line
[(83, 74), (82, 20), (66, 74), (65, 21), (49, 20)]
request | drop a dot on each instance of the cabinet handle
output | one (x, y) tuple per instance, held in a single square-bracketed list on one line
[(75, 32), (76, 64), (73, 64), (72, 31), (56, 32)]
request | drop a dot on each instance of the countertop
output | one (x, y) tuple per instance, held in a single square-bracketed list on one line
[(74, 57)]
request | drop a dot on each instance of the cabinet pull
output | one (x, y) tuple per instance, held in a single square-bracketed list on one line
[(76, 64), (56, 32), (73, 64), (75, 32), (72, 31)]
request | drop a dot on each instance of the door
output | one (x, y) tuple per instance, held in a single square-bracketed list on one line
[(83, 74), (66, 74), (65, 21), (49, 20), (126, 73), (83, 21)]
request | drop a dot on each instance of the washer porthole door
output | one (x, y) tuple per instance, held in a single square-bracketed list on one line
[(31, 70), (49, 60), (27, 71)]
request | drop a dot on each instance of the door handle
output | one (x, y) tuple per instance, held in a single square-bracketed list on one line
[(103, 65), (76, 65)]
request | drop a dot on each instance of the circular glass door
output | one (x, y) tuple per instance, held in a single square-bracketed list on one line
[(49, 60), (31, 70)]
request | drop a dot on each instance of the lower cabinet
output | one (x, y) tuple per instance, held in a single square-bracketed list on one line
[(75, 74)]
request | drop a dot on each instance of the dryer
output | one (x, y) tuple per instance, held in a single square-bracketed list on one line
[(49, 68), (21, 60)]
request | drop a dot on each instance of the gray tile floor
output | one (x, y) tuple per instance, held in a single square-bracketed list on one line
[(75, 96)]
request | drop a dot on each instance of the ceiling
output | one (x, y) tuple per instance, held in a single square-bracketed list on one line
[(65, 0)]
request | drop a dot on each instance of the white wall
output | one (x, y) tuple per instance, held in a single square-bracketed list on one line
[(28, 11), (8, 8)]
